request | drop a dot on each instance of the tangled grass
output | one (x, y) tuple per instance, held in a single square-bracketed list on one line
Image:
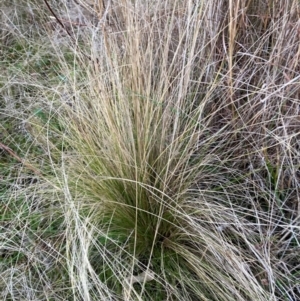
[(150, 150)]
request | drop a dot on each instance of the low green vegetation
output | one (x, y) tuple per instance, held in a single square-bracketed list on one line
[(149, 150)]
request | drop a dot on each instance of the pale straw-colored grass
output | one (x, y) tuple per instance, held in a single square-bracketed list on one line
[(150, 150)]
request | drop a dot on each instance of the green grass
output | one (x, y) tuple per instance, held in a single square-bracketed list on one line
[(149, 151)]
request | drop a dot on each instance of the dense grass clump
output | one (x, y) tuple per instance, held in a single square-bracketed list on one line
[(150, 150)]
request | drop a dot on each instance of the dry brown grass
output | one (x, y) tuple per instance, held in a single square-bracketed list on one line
[(160, 150)]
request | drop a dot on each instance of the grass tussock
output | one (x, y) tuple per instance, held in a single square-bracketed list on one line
[(149, 150)]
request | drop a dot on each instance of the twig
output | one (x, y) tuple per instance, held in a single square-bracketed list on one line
[(13, 154)]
